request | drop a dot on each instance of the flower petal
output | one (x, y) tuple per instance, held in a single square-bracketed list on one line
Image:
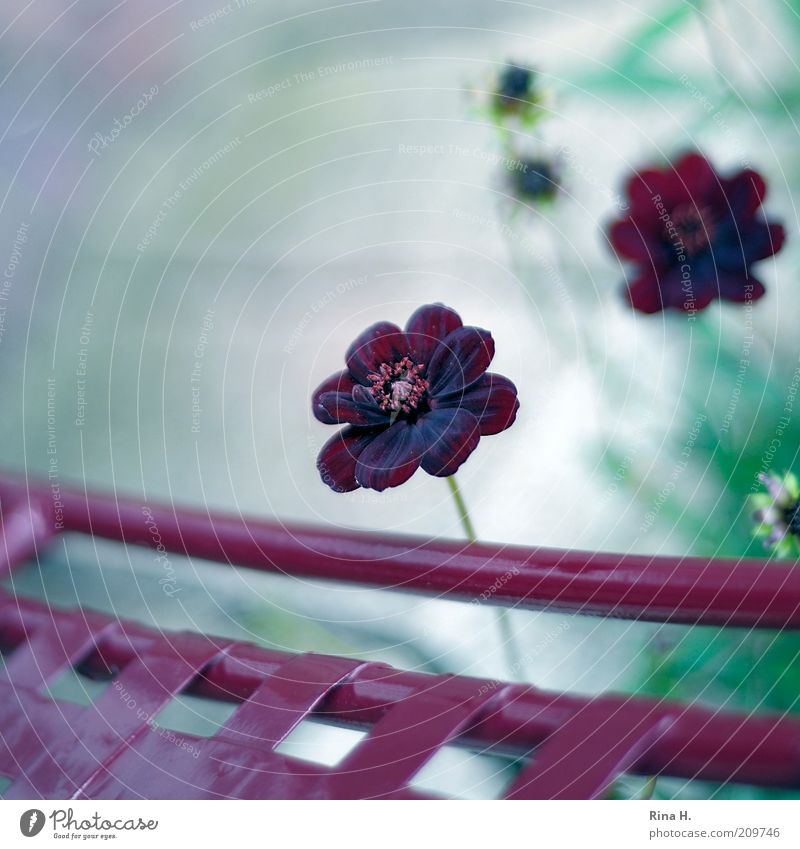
[(450, 436), (689, 293), (647, 188), (739, 288), (427, 326), (762, 240), (651, 292), (383, 342), (737, 244), (634, 241), (745, 192), (697, 177), (461, 358), (337, 459), (339, 382), (492, 400), (391, 458), (358, 408), (645, 293)]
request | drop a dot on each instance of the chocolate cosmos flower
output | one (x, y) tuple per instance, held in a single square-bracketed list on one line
[(419, 397), (692, 236)]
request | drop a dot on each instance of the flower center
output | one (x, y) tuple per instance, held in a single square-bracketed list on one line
[(515, 81), (694, 226), (398, 387), (792, 516)]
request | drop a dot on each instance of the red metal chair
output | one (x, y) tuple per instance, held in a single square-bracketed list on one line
[(573, 747)]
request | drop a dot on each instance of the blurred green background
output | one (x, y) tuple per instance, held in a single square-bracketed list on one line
[(203, 204)]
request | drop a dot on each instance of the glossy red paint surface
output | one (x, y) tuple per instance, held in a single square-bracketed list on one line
[(111, 748), (748, 593)]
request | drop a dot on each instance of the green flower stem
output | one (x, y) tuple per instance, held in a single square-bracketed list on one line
[(649, 788), (507, 638), (461, 508)]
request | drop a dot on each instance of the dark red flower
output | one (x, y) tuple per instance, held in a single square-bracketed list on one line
[(418, 397), (692, 236)]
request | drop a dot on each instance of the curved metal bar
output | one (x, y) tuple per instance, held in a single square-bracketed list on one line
[(690, 590)]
